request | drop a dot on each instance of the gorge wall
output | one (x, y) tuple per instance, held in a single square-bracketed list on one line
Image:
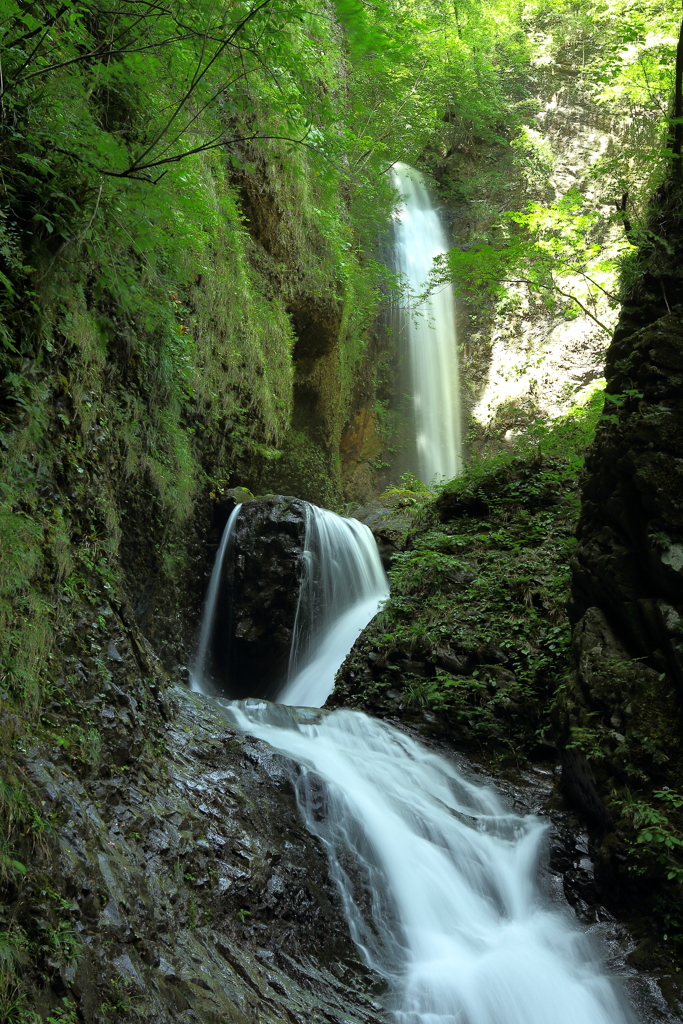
[(622, 707), (160, 341), (119, 439)]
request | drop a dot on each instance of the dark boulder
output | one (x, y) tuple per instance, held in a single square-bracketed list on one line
[(258, 598)]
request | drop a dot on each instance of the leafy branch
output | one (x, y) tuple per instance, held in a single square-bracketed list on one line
[(543, 248)]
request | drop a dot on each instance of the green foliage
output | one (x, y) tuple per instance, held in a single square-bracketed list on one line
[(146, 335), (539, 458), (411, 483), (13, 954), (658, 839), (545, 240), (67, 1013), (475, 628), (557, 252)]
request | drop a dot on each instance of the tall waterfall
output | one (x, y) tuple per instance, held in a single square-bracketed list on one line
[(343, 587), (457, 925), (430, 341)]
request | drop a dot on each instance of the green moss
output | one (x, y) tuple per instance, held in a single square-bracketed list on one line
[(475, 630), (304, 470)]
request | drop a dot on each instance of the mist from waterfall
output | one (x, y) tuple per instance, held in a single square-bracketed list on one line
[(440, 890), (427, 337)]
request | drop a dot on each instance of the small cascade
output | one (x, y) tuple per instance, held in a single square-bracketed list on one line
[(429, 342), (342, 587), (202, 671), (443, 902)]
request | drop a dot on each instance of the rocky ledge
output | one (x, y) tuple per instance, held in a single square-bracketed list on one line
[(183, 886)]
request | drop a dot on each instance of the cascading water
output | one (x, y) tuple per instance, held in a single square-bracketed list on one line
[(201, 680), (442, 901), (457, 926), (342, 588), (430, 340)]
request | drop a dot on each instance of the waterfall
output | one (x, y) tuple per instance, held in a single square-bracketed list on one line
[(436, 875), (443, 902), (342, 588), (201, 680), (430, 341)]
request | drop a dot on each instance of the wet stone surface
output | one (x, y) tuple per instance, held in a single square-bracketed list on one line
[(258, 597), (196, 893)]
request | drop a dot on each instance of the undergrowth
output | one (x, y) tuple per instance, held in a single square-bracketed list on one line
[(475, 631)]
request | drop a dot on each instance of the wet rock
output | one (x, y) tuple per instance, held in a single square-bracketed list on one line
[(390, 518), (258, 598), (501, 677), (233, 496), (225, 504), (490, 654), (457, 664), (193, 888)]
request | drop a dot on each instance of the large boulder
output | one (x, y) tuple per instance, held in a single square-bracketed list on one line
[(258, 597)]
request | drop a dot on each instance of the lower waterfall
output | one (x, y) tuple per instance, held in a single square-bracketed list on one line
[(437, 876), (342, 588), (444, 903)]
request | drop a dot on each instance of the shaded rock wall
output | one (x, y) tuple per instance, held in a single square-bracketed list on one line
[(621, 712)]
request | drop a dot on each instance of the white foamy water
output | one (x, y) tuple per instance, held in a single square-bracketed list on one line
[(200, 680), (343, 588), (431, 339), (443, 901)]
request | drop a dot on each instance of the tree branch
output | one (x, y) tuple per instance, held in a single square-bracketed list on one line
[(621, 209), (567, 295), (196, 79), (34, 32), (138, 174)]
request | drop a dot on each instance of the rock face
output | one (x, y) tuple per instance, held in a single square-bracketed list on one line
[(195, 893), (621, 717), (390, 520), (621, 709), (630, 554), (259, 592)]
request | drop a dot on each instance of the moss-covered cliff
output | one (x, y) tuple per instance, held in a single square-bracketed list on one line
[(184, 307), (622, 707)]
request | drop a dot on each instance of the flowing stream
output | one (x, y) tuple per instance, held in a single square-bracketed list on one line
[(436, 875), (428, 340), (442, 897)]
